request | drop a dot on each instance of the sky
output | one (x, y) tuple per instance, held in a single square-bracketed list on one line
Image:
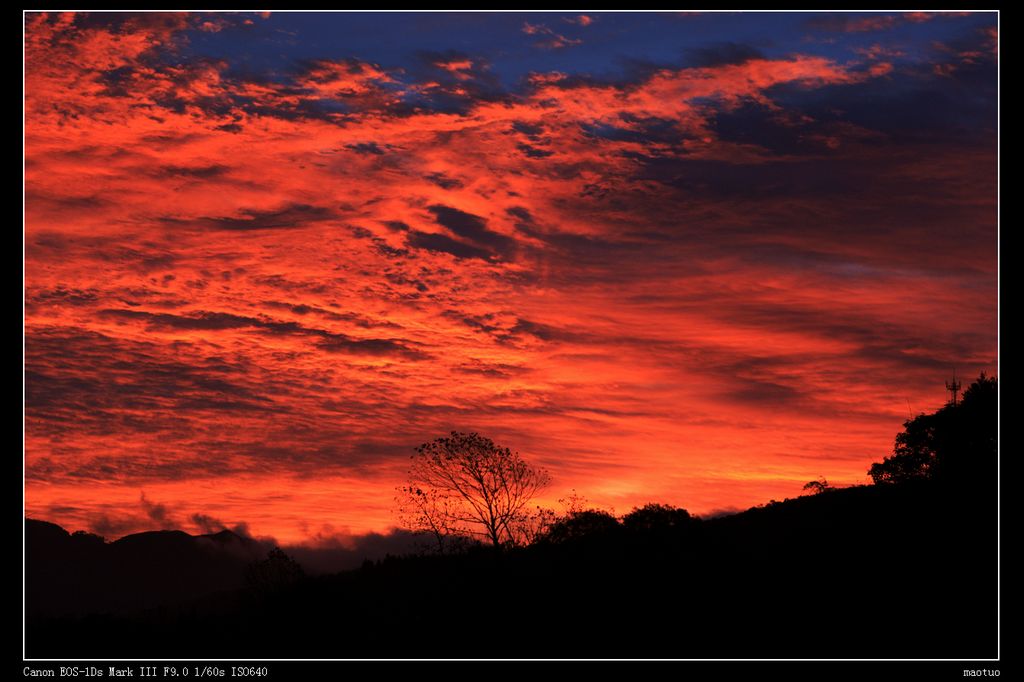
[(694, 258)]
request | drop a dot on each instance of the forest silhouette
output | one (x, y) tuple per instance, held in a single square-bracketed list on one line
[(903, 568)]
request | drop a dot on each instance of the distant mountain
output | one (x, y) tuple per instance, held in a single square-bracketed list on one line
[(71, 574)]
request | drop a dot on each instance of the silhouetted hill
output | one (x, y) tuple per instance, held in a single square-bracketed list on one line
[(68, 574), (906, 568), (904, 571)]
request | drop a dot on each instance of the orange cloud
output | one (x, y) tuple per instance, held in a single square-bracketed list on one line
[(250, 298)]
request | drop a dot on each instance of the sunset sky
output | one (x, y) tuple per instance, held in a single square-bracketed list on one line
[(699, 259)]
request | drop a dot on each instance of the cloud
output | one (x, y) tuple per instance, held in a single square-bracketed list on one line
[(147, 515), (252, 285), (340, 343), (331, 552), (723, 54), (922, 17), (580, 20), (548, 39), (473, 228), (157, 513), (217, 321), (289, 217), (433, 241), (366, 148), (63, 295), (840, 23)]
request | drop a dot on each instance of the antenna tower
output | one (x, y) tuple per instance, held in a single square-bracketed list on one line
[(953, 387)]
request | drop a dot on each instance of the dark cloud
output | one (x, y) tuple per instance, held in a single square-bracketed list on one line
[(758, 125), (200, 320), (451, 82), (443, 181), (541, 331), (474, 228), (461, 223), (148, 516), (506, 333), (37, 198), (858, 23), (531, 130), (93, 382), (722, 54), (290, 217), (765, 394), (61, 295), (211, 525), (356, 319), (521, 213), (199, 172), (207, 524), (439, 242), (340, 343), (491, 369), (534, 152), (367, 148), (106, 386), (913, 105), (822, 176), (333, 342), (647, 131), (156, 512), (877, 343)]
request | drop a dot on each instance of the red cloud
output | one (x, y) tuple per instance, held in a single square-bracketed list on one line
[(252, 305)]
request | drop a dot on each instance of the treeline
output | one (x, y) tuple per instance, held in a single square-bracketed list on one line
[(457, 506)]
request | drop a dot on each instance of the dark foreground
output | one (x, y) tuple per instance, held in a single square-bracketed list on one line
[(898, 571)]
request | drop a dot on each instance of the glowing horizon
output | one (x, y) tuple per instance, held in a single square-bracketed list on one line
[(691, 259)]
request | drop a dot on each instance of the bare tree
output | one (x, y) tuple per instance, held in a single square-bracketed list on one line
[(465, 485), (430, 512)]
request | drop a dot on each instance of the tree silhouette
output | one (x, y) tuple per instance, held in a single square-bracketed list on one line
[(955, 443), (589, 524), (817, 487), (431, 512), (273, 574), (653, 517), (528, 528), (464, 485)]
